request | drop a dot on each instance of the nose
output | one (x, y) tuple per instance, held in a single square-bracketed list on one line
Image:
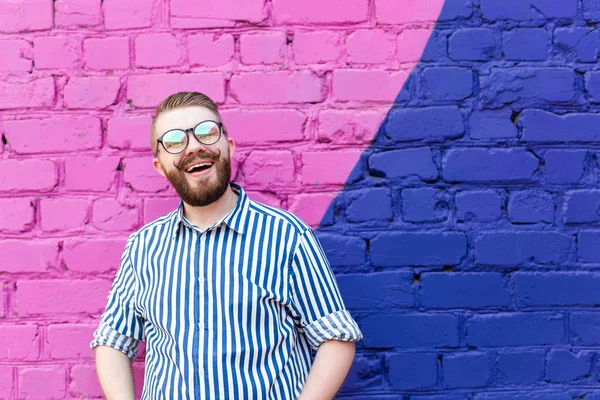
[(194, 146)]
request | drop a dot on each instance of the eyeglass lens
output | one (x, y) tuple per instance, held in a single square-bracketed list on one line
[(176, 140)]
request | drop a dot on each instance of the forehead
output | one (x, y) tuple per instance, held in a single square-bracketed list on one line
[(183, 118)]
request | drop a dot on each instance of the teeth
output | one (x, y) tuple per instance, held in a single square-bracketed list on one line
[(197, 166)]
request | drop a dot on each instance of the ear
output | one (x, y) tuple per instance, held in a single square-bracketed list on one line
[(231, 144), (158, 166)]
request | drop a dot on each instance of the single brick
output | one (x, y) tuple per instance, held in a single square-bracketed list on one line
[(526, 85), (16, 56), (269, 167), (565, 166), (584, 328), (248, 87), (567, 366), (316, 47), (110, 215), (79, 169), (409, 330), (69, 341), (92, 255), (369, 46), (343, 251), (414, 45), (530, 206), (141, 176), (127, 14), (376, 85), (337, 12), (210, 50), (223, 13), (106, 53), (149, 90), (96, 92), (19, 16), (263, 48), (19, 342), (472, 44), (478, 206), (270, 126), (368, 205), (60, 297), (492, 124), (591, 10), (53, 376), (432, 123), (489, 165), (29, 93), (446, 83), (525, 44), (348, 126), (404, 163), (520, 368), (464, 290), (377, 291), (12, 172), (525, 10), (543, 126), (130, 132), (30, 136), (424, 205), (556, 289), (412, 371), (581, 206), (313, 208), (515, 329), (155, 208), (84, 381), (17, 214), (145, 50), (56, 52), (22, 256), (331, 167), (511, 248), (471, 369), (592, 85), (389, 12), (418, 248), (63, 214), (77, 13), (577, 44), (587, 246)]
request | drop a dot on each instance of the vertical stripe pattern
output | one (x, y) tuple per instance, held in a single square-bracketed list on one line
[(231, 312)]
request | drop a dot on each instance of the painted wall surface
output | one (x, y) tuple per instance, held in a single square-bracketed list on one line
[(446, 151)]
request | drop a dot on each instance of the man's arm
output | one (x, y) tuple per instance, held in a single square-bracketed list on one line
[(331, 365), (115, 373)]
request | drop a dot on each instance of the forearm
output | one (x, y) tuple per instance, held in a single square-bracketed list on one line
[(331, 365), (115, 374)]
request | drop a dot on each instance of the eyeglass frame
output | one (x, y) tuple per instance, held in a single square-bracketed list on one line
[(187, 133)]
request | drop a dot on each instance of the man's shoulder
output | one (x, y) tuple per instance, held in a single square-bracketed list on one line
[(286, 217), (164, 222)]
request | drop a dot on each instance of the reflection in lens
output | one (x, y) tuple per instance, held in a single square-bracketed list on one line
[(175, 140), (207, 132)]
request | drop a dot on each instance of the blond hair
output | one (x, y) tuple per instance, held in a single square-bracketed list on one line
[(181, 100)]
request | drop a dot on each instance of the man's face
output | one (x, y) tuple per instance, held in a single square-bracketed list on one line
[(196, 186)]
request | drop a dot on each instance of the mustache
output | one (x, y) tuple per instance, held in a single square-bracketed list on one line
[(181, 165)]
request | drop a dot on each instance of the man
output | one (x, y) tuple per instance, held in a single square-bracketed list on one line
[(229, 295)]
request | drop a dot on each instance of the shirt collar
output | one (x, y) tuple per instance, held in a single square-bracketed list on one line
[(236, 219)]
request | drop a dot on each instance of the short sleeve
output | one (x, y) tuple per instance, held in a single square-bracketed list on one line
[(121, 327), (316, 302)]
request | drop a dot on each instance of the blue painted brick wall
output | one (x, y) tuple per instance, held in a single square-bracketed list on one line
[(467, 241)]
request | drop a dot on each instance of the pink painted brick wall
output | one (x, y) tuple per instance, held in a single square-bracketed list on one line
[(303, 87)]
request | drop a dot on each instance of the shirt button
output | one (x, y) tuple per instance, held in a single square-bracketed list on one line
[(201, 280), (201, 325)]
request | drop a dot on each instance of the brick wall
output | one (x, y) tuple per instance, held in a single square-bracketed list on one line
[(446, 151)]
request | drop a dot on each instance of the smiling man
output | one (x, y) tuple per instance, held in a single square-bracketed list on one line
[(229, 295)]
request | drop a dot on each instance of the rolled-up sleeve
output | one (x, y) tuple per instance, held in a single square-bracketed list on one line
[(121, 327), (317, 305)]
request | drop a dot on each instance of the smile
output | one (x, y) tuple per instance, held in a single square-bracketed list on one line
[(200, 168)]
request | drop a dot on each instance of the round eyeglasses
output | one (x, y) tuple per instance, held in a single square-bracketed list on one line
[(176, 141)]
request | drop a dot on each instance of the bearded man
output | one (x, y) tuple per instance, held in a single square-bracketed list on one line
[(230, 295)]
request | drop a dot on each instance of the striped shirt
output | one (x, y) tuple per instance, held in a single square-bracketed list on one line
[(230, 312)]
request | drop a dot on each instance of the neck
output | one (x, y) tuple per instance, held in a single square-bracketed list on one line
[(206, 216)]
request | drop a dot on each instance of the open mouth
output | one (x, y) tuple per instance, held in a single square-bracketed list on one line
[(199, 168)]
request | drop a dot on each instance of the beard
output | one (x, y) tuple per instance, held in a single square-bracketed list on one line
[(209, 191)]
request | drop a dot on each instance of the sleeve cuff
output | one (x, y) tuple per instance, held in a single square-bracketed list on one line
[(335, 326), (107, 336)]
